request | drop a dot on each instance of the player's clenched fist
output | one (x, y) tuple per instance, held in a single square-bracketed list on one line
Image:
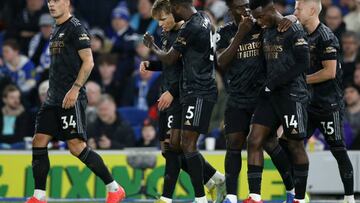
[(148, 40)]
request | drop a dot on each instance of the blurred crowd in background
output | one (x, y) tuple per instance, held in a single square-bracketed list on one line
[(122, 108)]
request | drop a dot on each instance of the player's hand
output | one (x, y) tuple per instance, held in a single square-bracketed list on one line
[(148, 40), (104, 142), (165, 101), (143, 66), (246, 24), (286, 23), (70, 98)]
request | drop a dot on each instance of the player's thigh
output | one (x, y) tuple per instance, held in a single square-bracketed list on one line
[(331, 125), (313, 123), (293, 116), (164, 125), (46, 126), (196, 115), (73, 122)]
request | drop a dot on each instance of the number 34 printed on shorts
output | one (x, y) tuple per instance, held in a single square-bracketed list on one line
[(68, 122)]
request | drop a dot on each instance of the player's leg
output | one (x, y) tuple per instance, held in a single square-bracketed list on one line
[(74, 132), (171, 155), (264, 120), (46, 125), (283, 164), (294, 121), (331, 127), (195, 120), (237, 122)]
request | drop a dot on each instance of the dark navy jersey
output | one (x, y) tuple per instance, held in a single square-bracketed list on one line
[(246, 73), (328, 95), (171, 73), (195, 44), (65, 42), (279, 51)]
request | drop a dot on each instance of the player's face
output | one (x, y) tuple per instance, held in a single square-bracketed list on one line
[(176, 12), (238, 9), (12, 100), (9, 53), (302, 11), (166, 21), (263, 19), (58, 8)]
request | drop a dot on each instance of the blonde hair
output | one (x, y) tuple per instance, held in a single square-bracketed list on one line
[(160, 6)]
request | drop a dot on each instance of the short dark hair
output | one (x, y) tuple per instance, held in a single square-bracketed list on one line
[(177, 2), (254, 4), (348, 34), (159, 6), (12, 43), (229, 2), (8, 89), (110, 59)]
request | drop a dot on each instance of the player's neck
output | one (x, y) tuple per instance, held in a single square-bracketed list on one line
[(312, 24), (178, 25), (189, 12), (63, 18)]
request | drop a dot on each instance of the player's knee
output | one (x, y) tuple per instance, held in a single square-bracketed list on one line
[(40, 140), (254, 141), (76, 146), (235, 141)]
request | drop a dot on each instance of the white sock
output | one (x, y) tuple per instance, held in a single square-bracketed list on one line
[(165, 199), (210, 184), (40, 194), (300, 200), (112, 187), (201, 200), (291, 191), (255, 197), (232, 198), (349, 199), (218, 177)]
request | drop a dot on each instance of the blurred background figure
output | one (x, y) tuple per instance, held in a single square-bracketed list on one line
[(334, 20), (109, 131), (148, 135), (352, 115), (93, 93), (350, 46), (352, 19), (14, 120)]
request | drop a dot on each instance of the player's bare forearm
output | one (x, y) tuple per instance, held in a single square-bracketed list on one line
[(327, 73), (167, 58), (86, 67), (225, 56)]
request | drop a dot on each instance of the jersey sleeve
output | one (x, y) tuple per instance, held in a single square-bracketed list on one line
[(184, 38), (329, 50), (221, 39), (80, 38)]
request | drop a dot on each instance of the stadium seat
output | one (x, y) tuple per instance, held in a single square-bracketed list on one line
[(134, 116)]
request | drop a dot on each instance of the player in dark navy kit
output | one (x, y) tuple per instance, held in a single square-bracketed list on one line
[(171, 110), (62, 116), (239, 45), (198, 91), (326, 107), (284, 98)]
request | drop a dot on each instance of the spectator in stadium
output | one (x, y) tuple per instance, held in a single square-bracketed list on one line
[(325, 5), (14, 120), (108, 83), (350, 45), (93, 93), (357, 76), (142, 21), (18, 67), (148, 135), (334, 20), (352, 19), (39, 51), (42, 94), (98, 46), (142, 91), (352, 114), (109, 131), (25, 25), (123, 38)]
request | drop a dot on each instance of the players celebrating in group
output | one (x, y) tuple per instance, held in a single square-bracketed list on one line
[(278, 75)]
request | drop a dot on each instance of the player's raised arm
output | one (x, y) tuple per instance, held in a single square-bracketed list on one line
[(167, 58)]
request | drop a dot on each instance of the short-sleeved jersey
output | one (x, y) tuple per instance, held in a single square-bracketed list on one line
[(195, 44), (328, 95), (246, 73), (279, 50), (65, 42), (171, 73)]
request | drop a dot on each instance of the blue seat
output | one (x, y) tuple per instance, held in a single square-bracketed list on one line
[(134, 116), (137, 132)]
